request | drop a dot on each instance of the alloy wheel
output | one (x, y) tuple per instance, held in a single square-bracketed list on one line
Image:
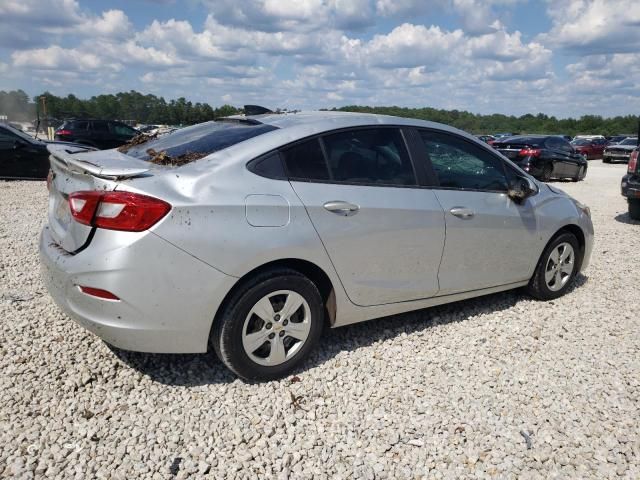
[(559, 266)]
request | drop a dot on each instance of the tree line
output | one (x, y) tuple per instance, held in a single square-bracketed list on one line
[(140, 108), (498, 123), (126, 106)]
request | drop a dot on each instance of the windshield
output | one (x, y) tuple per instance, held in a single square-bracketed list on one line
[(203, 139), (629, 141), (581, 142)]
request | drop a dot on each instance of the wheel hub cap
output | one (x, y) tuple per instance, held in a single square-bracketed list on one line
[(276, 328), (559, 267)]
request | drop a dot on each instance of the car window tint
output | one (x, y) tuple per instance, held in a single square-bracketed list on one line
[(305, 161), (7, 140), (460, 164), (79, 125), (121, 129), (101, 127), (269, 166), (373, 156), (204, 138)]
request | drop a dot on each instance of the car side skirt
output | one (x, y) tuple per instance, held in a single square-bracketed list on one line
[(353, 314)]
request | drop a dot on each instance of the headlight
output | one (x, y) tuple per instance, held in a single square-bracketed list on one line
[(582, 207)]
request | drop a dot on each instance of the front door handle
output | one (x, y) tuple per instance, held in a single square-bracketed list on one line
[(462, 212), (339, 207)]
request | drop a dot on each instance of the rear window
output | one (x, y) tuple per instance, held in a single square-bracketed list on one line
[(204, 138), (533, 141)]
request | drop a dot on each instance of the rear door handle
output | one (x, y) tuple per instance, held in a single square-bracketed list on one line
[(462, 212), (339, 207)]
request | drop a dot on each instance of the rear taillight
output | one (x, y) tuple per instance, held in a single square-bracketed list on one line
[(633, 162), (126, 211), (64, 132), (529, 152)]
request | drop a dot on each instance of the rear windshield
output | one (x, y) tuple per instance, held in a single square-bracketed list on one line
[(533, 141), (203, 139), (581, 142)]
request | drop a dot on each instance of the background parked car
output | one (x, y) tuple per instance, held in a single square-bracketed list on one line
[(101, 134), (617, 139), (631, 185), (488, 139), (620, 152), (22, 156), (544, 156), (589, 148)]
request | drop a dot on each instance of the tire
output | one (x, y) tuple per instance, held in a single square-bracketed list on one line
[(634, 209), (605, 160), (580, 175), (238, 320), (546, 173), (542, 286)]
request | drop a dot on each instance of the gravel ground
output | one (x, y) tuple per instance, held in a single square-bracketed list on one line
[(497, 387)]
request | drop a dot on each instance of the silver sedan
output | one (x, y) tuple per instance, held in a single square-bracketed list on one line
[(249, 234)]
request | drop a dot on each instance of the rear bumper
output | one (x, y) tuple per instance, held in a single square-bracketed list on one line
[(630, 186), (167, 298), (616, 157)]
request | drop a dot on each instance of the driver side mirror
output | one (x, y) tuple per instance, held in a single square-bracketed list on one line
[(521, 188)]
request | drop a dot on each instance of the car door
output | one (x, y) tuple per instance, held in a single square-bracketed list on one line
[(489, 237), (101, 135), (383, 233), (9, 166), (572, 160)]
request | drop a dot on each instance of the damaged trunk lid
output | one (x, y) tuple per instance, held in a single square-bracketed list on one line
[(74, 169)]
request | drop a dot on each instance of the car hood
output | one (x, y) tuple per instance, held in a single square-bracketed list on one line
[(622, 147)]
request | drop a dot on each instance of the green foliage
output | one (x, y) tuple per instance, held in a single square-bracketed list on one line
[(497, 123), (131, 105), (142, 108)]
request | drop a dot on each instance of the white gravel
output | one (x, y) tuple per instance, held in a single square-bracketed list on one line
[(497, 387)]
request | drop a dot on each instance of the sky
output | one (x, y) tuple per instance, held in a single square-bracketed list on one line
[(566, 58)]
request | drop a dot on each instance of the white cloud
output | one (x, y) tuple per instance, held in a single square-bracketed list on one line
[(594, 26), (58, 58)]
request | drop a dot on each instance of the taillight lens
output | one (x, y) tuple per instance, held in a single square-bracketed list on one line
[(529, 152), (126, 211), (633, 162), (63, 132)]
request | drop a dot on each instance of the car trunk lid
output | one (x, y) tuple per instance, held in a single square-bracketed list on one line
[(512, 150), (74, 169)]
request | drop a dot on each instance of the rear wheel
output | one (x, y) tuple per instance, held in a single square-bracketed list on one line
[(605, 160), (580, 175), (269, 325), (546, 172), (556, 268), (634, 209)]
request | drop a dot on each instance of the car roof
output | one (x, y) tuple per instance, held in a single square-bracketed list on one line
[(322, 121)]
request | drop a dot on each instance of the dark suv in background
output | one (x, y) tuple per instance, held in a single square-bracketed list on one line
[(101, 134), (631, 184), (544, 156)]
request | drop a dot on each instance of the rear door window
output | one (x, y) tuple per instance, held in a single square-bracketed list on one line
[(371, 156), (305, 161), (459, 164), (204, 138), (100, 127)]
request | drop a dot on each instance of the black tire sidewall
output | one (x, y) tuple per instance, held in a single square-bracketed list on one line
[(227, 338), (634, 209)]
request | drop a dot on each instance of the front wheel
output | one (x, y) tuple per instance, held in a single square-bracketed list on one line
[(556, 268), (634, 209), (269, 325)]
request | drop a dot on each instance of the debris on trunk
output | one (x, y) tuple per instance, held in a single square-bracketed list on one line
[(162, 158), (137, 140)]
